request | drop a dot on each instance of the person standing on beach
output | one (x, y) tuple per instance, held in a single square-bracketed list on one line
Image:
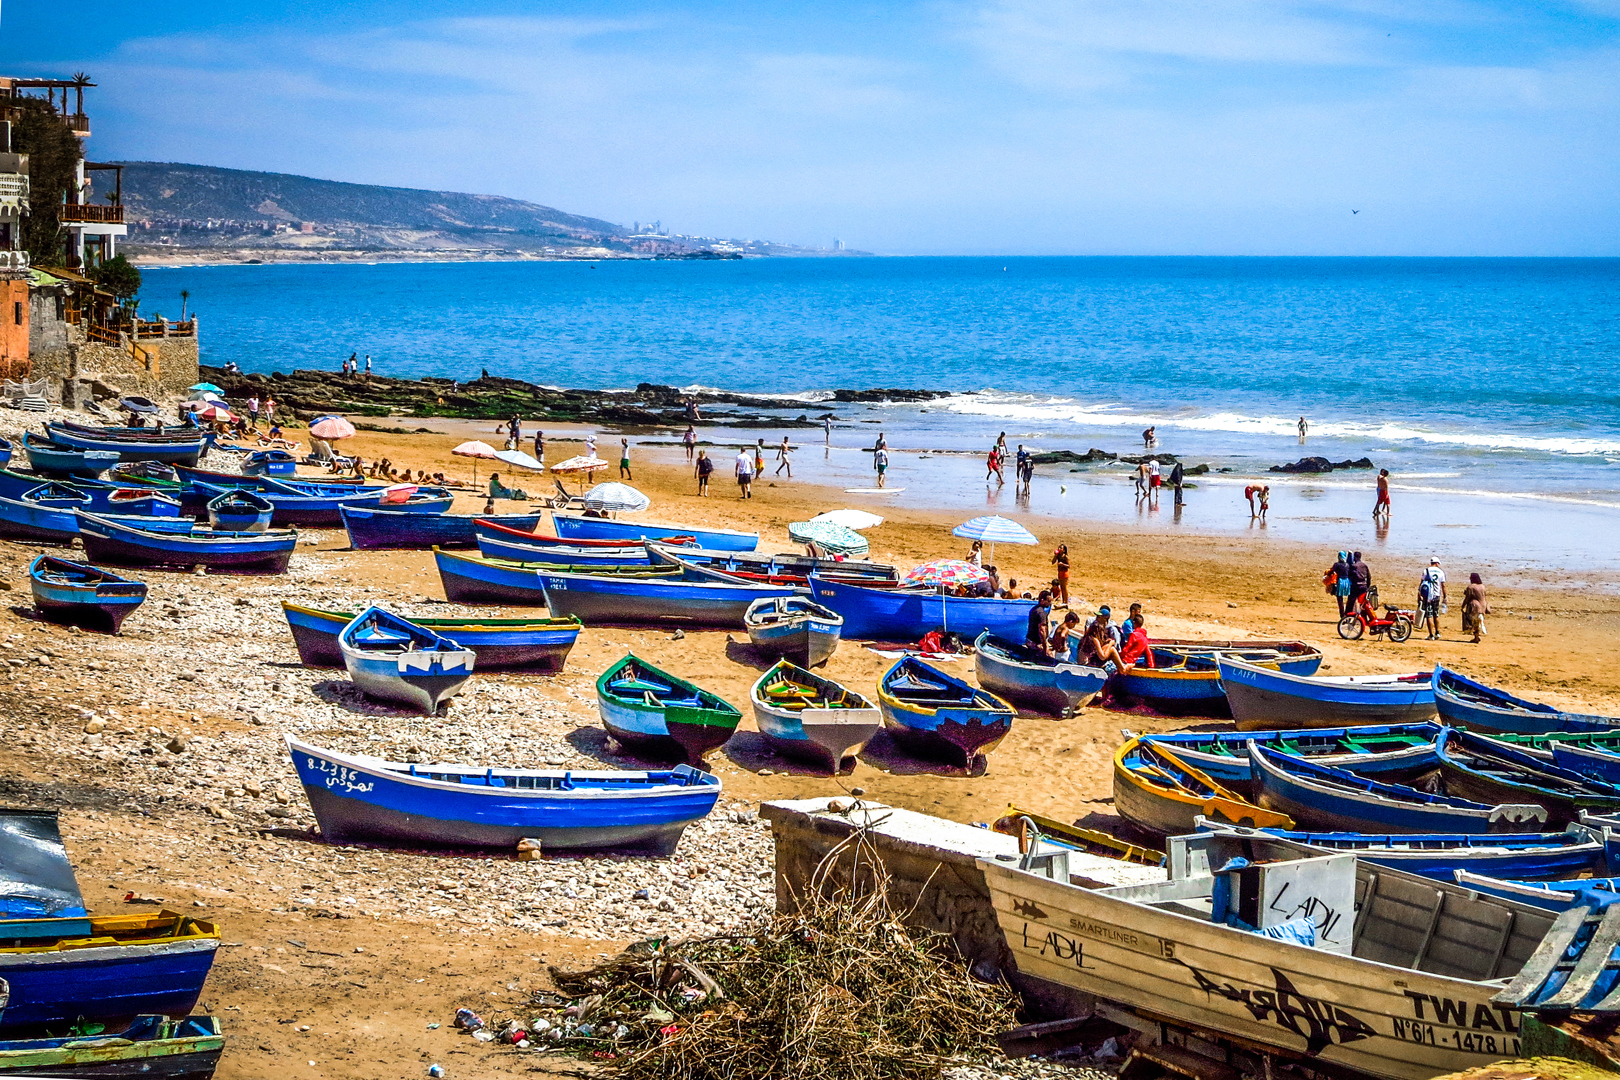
[(269, 410), (1431, 594), (1177, 476), (1382, 505), (1338, 581), (368, 367), (759, 457), (703, 470), (590, 445), (782, 460), (539, 446), (826, 429), (624, 460), (1475, 607), (253, 409), (1360, 581), (1303, 428), (1060, 559), (745, 472), (975, 553), (690, 441), (880, 460), (990, 465), (1155, 480), (1024, 468), (515, 427)]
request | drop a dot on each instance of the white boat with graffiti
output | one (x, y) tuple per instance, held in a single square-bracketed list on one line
[(1308, 954)]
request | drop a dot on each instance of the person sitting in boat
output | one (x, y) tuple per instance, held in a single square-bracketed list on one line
[(1065, 643), (498, 490), (1036, 634), (1098, 648), (1136, 651)]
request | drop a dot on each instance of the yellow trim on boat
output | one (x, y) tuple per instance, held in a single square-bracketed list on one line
[(1222, 805)]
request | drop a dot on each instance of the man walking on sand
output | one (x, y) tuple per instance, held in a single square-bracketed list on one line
[(539, 446), (624, 460), (745, 472), (880, 459), (1431, 596), (1382, 505)]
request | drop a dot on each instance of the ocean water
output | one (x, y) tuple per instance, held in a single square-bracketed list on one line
[(1487, 386)]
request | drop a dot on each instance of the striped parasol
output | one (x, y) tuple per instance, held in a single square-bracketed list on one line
[(994, 529), (829, 536)]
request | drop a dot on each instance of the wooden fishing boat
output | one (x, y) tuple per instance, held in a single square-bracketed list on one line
[(469, 579), (1540, 743), (53, 459), (795, 628), (576, 527), (321, 510), (75, 593), (359, 799), (110, 541), (907, 614), (1465, 703), (1391, 751), (1183, 678), (1163, 796), (1373, 972), (651, 711), (168, 449), (240, 511), (535, 644), (151, 1047), (1552, 896), (1577, 967), (104, 497), (270, 463), (1577, 850), (936, 715), (1475, 767), (812, 718), (393, 659), (378, 527), (1593, 762), (1031, 679), (1323, 797), (147, 473), (600, 599), (1262, 697), (765, 564), (1015, 822), (135, 502), (44, 513), (494, 542)]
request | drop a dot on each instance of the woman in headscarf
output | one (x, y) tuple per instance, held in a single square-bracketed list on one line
[(1475, 607)]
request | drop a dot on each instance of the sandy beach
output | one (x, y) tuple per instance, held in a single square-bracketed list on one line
[(338, 960)]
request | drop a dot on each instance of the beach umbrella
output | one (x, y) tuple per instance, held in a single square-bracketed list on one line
[(332, 428), (215, 412), (395, 494), (994, 529), (520, 459), (210, 387), (615, 496), (829, 536), (205, 395), (585, 463), (137, 405), (850, 519), (949, 572), (475, 450)]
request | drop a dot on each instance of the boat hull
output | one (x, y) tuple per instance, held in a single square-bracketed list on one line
[(1462, 702), (825, 737), (680, 732), (108, 542), (61, 461), (474, 581), (1162, 810), (494, 546), (607, 601), (169, 453), (95, 605), (1440, 856), (500, 644), (1223, 755), (1184, 684), (795, 629), (1055, 690), (1264, 698), (105, 982), (151, 1048), (570, 527), (375, 528), (356, 802), (318, 511), (958, 735), (906, 615)]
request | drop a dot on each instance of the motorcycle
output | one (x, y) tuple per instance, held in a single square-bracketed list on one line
[(1395, 623)]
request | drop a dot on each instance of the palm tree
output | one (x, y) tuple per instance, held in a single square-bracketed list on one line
[(80, 81), (185, 295)]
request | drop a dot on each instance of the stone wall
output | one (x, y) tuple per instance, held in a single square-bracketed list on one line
[(60, 352)]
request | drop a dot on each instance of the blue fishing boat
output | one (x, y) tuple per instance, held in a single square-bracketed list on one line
[(109, 541), (240, 511), (5, 452), (1465, 703), (393, 659), (368, 800), (53, 459), (1032, 679), (1591, 761), (1439, 856), (795, 628), (907, 614), (572, 527), (378, 527), (810, 717), (1547, 895), (633, 600), (149, 1047), (321, 510), (134, 502), (1387, 751), (170, 450), (498, 541), (1181, 677), (45, 513), (939, 716), (1475, 767), (1160, 794), (81, 595), (651, 711), (1265, 697), (1323, 797), (469, 579), (270, 463), (537, 644), (767, 564)]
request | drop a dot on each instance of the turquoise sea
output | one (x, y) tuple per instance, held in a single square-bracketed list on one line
[(1487, 386)]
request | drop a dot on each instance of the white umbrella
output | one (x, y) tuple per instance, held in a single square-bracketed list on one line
[(850, 519), (475, 449), (615, 496), (994, 529), (578, 465), (520, 459)]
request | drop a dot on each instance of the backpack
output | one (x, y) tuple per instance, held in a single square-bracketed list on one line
[(1428, 589)]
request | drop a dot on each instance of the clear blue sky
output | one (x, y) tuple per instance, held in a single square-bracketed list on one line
[(943, 126)]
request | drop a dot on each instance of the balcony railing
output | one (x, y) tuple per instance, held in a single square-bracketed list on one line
[(87, 212)]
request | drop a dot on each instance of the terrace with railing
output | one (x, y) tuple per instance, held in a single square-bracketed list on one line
[(91, 213)]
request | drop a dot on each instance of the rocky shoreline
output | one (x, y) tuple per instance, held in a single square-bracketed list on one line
[(304, 394)]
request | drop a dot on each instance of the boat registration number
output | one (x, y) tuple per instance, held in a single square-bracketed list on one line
[(1474, 1042), (556, 583)]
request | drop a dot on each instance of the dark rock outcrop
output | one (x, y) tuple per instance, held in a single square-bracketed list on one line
[(1069, 457), (889, 395), (1321, 465)]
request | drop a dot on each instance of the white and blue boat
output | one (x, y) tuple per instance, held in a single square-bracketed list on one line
[(1180, 677), (907, 614), (497, 540), (1323, 797), (1466, 703), (536, 644), (295, 507), (795, 628), (1390, 751), (270, 463), (471, 579), (767, 564), (53, 459), (393, 659), (169, 449), (939, 716), (360, 799), (240, 511), (1033, 680), (599, 599), (1547, 895), (371, 528), (1266, 697), (810, 717), (575, 527), (1592, 761), (108, 540), (44, 512), (81, 595), (653, 712)]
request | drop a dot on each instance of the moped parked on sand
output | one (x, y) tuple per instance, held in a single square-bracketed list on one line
[(1396, 623)]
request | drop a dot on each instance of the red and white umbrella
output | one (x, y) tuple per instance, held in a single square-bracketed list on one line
[(946, 572), (332, 428), (475, 449), (216, 412)]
